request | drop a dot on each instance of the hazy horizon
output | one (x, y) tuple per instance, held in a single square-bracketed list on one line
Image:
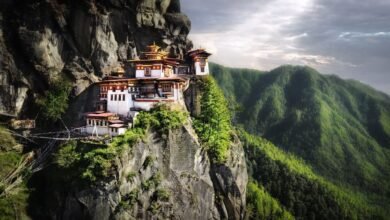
[(350, 39)]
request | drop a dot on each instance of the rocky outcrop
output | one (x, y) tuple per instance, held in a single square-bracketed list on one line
[(162, 177), (42, 40), (230, 180)]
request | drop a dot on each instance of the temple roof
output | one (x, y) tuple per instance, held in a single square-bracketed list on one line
[(199, 52), (117, 126), (141, 80), (100, 115), (153, 54)]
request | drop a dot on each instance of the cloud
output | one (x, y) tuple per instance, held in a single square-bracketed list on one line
[(349, 38), (349, 35), (295, 37)]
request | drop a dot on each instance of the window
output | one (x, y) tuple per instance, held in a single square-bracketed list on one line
[(115, 97), (120, 97), (166, 88), (123, 97), (202, 62), (112, 97), (202, 65), (147, 71)]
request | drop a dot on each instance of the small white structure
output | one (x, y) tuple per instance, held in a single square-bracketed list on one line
[(200, 64), (104, 123)]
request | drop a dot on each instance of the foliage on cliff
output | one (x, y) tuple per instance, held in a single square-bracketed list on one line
[(339, 127), (55, 102), (161, 118), (90, 161), (213, 125), (13, 205)]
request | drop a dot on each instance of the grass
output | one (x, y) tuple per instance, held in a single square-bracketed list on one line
[(13, 205)]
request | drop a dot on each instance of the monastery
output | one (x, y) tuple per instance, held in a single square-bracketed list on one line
[(151, 79)]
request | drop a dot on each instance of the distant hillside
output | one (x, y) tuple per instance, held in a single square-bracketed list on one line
[(339, 127), (298, 189)]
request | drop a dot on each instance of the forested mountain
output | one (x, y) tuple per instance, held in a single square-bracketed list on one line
[(339, 127)]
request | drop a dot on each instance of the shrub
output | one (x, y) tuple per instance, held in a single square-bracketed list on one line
[(2, 188), (88, 161), (6, 140), (162, 195), (67, 156), (148, 161), (213, 125), (131, 176), (8, 162), (153, 182), (55, 102), (154, 207), (161, 118)]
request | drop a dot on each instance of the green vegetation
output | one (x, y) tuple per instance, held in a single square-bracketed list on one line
[(90, 162), (9, 158), (341, 128), (161, 118), (213, 125), (148, 161), (153, 182), (303, 193), (86, 161), (236, 83), (261, 205), (130, 177), (162, 195), (13, 204), (129, 200), (55, 102), (7, 142)]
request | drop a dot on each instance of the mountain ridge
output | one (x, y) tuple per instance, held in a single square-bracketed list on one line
[(339, 127)]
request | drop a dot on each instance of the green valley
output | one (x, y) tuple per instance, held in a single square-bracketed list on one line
[(338, 127)]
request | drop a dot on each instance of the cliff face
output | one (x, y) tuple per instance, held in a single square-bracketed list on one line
[(81, 40), (163, 177)]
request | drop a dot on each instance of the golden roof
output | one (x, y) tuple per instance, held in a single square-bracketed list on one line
[(153, 48), (119, 69)]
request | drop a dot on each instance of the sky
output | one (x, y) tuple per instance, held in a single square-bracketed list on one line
[(349, 38)]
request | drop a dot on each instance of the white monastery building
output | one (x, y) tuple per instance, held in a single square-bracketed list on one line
[(157, 79)]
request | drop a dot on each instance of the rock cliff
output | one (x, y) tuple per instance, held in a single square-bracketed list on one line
[(162, 177), (81, 40)]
